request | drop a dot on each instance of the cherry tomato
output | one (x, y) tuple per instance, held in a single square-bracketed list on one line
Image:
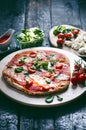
[(74, 80), (59, 66), (30, 82), (61, 35), (19, 63), (33, 54), (81, 78), (60, 40), (68, 36), (31, 70), (75, 73), (77, 66), (81, 70), (75, 31)]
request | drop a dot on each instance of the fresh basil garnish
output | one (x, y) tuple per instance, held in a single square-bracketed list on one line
[(49, 99), (19, 69), (22, 60), (59, 98), (48, 81), (45, 65), (9, 66)]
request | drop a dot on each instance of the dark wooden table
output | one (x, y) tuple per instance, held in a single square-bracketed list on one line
[(20, 14)]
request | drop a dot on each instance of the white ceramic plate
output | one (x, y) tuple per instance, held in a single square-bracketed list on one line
[(53, 40), (69, 95)]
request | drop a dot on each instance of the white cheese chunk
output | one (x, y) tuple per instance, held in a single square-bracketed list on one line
[(82, 50), (68, 43)]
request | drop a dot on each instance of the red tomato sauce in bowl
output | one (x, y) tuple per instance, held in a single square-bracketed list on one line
[(4, 38)]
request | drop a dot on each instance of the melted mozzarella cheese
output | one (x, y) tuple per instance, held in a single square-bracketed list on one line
[(63, 77), (39, 80), (27, 60), (17, 76)]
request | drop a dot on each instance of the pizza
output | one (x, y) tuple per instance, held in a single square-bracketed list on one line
[(38, 72)]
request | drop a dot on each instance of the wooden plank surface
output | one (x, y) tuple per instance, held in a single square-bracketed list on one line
[(65, 12), (19, 14)]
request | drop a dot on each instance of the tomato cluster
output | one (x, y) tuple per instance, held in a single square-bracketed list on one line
[(79, 74), (66, 36)]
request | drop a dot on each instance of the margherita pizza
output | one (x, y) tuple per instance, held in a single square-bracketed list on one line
[(38, 72)]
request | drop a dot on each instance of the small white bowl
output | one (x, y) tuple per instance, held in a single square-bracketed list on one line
[(6, 38)]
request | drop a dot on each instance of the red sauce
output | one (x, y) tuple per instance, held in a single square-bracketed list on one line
[(4, 38)]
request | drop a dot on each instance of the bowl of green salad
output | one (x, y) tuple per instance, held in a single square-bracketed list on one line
[(32, 37)]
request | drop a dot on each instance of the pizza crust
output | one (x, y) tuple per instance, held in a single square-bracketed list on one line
[(62, 87)]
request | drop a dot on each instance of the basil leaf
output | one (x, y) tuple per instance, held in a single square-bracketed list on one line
[(9, 66), (26, 73), (59, 29), (48, 81), (56, 75), (22, 60), (45, 65), (19, 69), (52, 62), (49, 99), (59, 98)]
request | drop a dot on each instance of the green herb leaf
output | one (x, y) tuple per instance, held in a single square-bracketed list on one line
[(50, 70), (49, 99), (45, 65), (9, 66), (48, 80), (56, 75), (52, 62), (26, 73), (59, 98), (59, 29), (19, 69), (22, 60)]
